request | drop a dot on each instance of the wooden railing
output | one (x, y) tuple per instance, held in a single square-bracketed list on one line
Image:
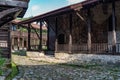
[(99, 48), (25, 34), (63, 48), (95, 48), (117, 48), (79, 48)]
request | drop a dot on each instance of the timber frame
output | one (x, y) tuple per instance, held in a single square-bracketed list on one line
[(79, 29), (9, 10)]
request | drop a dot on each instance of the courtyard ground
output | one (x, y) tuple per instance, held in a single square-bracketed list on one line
[(45, 70)]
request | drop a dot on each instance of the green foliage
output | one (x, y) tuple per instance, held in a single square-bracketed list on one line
[(1, 52), (2, 61), (44, 47), (22, 19), (14, 72), (22, 29), (20, 52)]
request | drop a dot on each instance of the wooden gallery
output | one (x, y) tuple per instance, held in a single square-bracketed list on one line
[(92, 26)]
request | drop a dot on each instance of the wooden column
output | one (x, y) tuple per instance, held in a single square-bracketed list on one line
[(40, 40), (114, 26), (13, 43), (89, 42), (34, 43), (26, 43), (48, 33), (56, 31), (29, 39), (23, 43), (70, 34), (9, 42), (18, 40)]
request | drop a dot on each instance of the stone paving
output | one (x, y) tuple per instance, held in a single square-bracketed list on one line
[(45, 70)]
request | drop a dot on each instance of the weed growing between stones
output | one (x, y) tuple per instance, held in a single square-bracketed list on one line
[(14, 71)]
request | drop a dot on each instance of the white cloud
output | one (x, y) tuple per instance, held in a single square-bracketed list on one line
[(74, 1), (33, 11), (35, 7)]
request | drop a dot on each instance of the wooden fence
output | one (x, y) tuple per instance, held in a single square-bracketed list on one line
[(97, 48)]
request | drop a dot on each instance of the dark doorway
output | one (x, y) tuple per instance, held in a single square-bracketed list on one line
[(61, 39)]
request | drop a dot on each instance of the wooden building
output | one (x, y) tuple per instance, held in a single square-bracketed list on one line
[(19, 36), (9, 10), (92, 26)]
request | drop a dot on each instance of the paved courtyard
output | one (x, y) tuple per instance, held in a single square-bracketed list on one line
[(43, 70)]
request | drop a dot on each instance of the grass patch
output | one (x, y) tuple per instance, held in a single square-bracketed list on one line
[(2, 61), (86, 66), (14, 72)]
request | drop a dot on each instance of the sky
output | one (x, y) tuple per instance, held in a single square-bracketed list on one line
[(37, 7)]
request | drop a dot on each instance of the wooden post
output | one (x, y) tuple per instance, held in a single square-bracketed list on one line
[(13, 43), (9, 42), (70, 34), (48, 33), (18, 40), (29, 35), (23, 42), (40, 40), (56, 41), (27, 43), (114, 26), (89, 31)]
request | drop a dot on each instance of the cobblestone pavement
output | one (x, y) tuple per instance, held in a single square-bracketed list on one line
[(39, 70)]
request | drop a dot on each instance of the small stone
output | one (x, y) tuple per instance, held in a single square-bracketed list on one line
[(2, 78), (14, 79), (31, 72)]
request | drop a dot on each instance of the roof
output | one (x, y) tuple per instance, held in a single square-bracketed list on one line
[(6, 4), (78, 6), (36, 26)]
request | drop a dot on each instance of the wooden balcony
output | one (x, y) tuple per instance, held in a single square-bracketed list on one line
[(25, 35)]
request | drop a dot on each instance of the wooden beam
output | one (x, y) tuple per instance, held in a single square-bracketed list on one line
[(70, 34), (114, 26), (36, 32), (29, 35), (89, 42)]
